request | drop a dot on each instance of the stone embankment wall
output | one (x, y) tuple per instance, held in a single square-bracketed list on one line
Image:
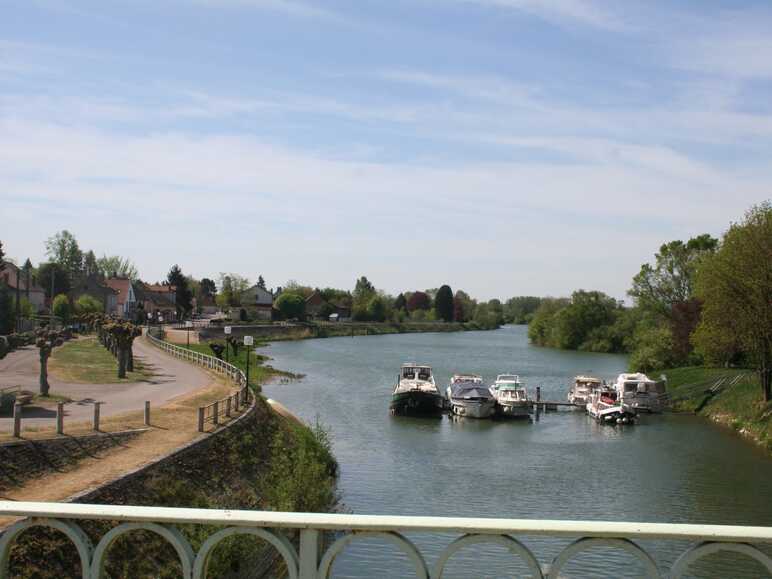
[(23, 460)]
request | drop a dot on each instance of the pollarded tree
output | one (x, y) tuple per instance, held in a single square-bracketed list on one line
[(735, 285), (443, 304), (123, 334), (46, 341)]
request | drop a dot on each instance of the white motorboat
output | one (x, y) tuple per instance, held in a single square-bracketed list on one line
[(469, 397), (511, 397), (415, 392), (640, 393), (582, 388), (605, 407)]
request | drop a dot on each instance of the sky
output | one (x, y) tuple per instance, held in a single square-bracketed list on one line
[(505, 147)]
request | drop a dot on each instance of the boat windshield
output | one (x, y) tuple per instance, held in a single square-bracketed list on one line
[(416, 372)]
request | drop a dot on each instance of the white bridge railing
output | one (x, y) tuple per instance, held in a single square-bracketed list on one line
[(205, 360), (310, 562)]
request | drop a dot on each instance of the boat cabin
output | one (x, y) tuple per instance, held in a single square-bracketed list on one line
[(608, 397), (415, 372)]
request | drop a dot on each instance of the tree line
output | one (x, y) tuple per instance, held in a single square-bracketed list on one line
[(703, 301)]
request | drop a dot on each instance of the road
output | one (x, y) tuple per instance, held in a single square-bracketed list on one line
[(172, 377)]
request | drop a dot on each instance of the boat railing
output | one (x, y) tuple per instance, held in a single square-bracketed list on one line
[(311, 558)]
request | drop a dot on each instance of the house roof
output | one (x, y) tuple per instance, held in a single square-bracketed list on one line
[(160, 288), (262, 297)]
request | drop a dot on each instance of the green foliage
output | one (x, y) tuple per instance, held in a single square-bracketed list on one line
[(26, 309), (116, 266), (443, 304), (291, 305), (61, 308), (376, 309), (463, 306), (6, 310), (207, 288), (520, 309), (60, 276), (735, 285), (62, 248), (184, 299), (88, 304), (653, 349)]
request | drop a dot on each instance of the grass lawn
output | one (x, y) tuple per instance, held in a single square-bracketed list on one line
[(86, 361), (738, 405)]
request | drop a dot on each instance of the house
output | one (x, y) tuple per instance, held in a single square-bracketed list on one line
[(317, 307), (93, 286), (257, 302), (158, 301), (15, 277), (126, 299)]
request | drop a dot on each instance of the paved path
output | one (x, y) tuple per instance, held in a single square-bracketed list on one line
[(172, 377)]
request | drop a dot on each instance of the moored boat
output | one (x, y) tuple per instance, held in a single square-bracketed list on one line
[(469, 397), (511, 397), (640, 393), (605, 407), (581, 389), (416, 393)]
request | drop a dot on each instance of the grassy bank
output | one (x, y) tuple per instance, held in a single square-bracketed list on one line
[(737, 403), (86, 361), (331, 330)]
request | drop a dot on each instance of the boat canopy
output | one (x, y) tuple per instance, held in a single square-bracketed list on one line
[(508, 378), (472, 378), (587, 380)]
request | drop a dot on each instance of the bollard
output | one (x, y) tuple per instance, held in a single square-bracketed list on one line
[(147, 412), (228, 406), (60, 418), (17, 420), (216, 408), (96, 416), (201, 419)]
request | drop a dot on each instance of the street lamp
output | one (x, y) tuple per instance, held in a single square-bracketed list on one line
[(248, 341), (188, 325), (227, 333)]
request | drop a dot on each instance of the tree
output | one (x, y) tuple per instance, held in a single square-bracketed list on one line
[(376, 309), (291, 305), (400, 303), (62, 248), (88, 304), (46, 341), (463, 306), (261, 282), (419, 301), (443, 304), (670, 280), (6, 305), (184, 297), (207, 288), (116, 266), (540, 328), (735, 286), (520, 309), (61, 280), (61, 308), (90, 265)]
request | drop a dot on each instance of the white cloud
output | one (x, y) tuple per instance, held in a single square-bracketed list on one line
[(585, 12)]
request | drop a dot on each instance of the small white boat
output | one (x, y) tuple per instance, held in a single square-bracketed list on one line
[(469, 397), (640, 393), (511, 397), (605, 407), (582, 388), (415, 392)]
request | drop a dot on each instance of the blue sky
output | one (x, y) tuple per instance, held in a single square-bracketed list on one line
[(506, 147)]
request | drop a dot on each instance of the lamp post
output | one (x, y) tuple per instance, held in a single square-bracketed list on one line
[(188, 325), (248, 341), (227, 334)]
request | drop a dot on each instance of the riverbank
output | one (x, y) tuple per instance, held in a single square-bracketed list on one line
[(728, 396)]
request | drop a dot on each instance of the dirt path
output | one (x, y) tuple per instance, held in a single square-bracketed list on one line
[(173, 377)]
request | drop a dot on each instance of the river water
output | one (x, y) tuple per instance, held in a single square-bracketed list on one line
[(670, 469)]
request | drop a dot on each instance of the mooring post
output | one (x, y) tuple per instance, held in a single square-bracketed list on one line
[(228, 406), (201, 419), (147, 412), (17, 420), (96, 416), (216, 408), (60, 418)]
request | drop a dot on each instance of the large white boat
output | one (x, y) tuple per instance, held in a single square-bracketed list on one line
[(640, 393), (605, 407), (511, 397), (469, 397), (582, 388), (415, 392)]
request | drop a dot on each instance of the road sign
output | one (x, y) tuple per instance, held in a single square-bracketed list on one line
[(228, 329), (248, 340), (188, 324)]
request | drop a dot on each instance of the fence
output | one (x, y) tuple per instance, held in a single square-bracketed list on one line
[(210, 413), (310, 562)]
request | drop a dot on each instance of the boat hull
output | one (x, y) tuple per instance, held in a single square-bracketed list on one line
[(612, 414), (514, 410), (417, 403), (473, 408)]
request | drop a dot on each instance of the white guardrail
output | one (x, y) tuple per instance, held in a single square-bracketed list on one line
[(309, 562), (205, 360)]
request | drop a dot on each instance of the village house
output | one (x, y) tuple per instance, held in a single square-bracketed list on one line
[(93, 286), (257, 302), (126, 299), (158, 300), (15, 277)]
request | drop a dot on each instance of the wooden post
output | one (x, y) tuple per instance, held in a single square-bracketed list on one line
[(60, 418), (147, 412), (228, 406), (201, 419), (96, 416), (216, 408), (17, 420), (237, 399)]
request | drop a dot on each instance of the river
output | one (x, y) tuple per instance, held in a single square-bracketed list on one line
[(667, 468)]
